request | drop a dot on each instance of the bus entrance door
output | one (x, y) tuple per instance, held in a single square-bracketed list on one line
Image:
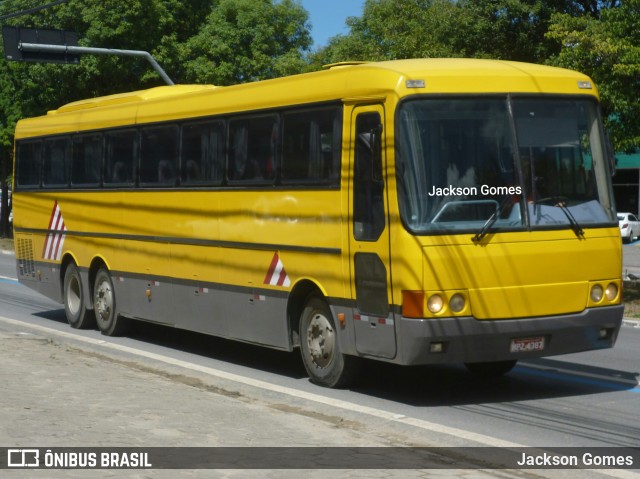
[(369, 236)]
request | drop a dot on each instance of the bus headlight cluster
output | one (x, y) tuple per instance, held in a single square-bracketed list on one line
[(422, 304), (599, 294), (436, 303)]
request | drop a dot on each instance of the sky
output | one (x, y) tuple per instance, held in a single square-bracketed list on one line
[(328, 17)]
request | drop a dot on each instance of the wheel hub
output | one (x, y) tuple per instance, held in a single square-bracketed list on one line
[(321, 340), (104, 301)]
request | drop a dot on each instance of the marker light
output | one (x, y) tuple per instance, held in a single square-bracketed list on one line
[(596, 293), (456, 303), (415, 83), (435, 303), (611, 292)]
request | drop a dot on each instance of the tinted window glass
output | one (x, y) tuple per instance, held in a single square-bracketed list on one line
[(54, 163), (311, 146), (252, 149), (120, 157), (29, 165), (368, 187), (159, 155), (86, 160), (202, 153)]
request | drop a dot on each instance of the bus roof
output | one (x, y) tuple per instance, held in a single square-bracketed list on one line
[(342, 82)]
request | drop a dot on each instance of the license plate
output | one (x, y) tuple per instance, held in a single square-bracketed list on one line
[(524, 345)]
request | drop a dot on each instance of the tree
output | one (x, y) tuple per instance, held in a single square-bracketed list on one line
[(248, 40), (392, 29), (607, 48)]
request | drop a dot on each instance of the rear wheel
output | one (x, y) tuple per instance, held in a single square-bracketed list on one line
[(320, 348), (109, 321), (491, 369), (74, 303)]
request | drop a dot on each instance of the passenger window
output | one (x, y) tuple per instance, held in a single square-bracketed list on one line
[(311, 147), (86, 160), (120, 158), (202, 153), (54, 164), (252, 149), (29, 163), (159, 155)]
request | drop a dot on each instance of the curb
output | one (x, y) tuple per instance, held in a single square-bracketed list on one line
[(634, 323)]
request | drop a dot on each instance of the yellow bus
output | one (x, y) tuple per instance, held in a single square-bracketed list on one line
[(414, 211)]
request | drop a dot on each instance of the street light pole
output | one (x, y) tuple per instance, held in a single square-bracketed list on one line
[(66, 49)]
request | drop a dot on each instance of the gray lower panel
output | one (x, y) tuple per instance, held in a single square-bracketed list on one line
[(242, 314), (469, 340)]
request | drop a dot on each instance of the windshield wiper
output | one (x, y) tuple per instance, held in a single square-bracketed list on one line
[(486, 227), (575, 226), (560, 202)]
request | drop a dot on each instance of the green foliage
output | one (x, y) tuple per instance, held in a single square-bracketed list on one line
[(608, 49), (247, 40)]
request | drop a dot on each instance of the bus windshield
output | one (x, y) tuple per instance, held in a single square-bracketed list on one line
[(519, 163)]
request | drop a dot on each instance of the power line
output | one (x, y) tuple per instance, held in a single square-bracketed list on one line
[(31, 10)]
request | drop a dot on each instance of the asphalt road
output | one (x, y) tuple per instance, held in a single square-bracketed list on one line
[(581, 400)]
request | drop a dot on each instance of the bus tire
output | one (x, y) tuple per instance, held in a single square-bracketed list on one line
[(492, 369), (320, 348), (74, 303), (110, 323)]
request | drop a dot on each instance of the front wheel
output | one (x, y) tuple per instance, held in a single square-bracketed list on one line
[(320, 347), (109, 321)]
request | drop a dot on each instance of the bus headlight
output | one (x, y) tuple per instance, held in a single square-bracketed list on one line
[(435, 303), (457, 303), (611, 292), (596, 293)]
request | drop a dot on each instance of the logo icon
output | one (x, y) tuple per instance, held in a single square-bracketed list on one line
[(23, 458)]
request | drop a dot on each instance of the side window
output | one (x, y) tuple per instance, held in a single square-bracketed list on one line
[(368, 187), (86, 160), (29, 163), (159, 155), (120, 157), (54, 162), (253, 145), (202, 153), (311, 146)]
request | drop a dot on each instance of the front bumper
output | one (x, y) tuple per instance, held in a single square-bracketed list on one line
[(468, 340)]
